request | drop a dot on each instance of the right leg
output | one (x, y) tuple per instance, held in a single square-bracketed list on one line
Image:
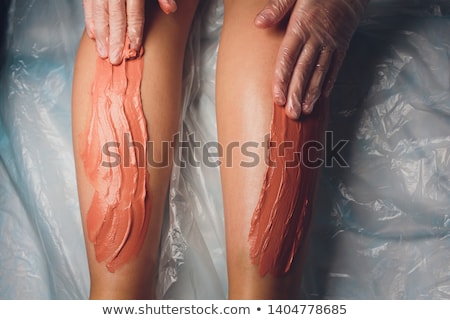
[(245, 110), (164, 47)]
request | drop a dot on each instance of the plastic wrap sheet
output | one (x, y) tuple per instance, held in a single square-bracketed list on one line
[(42, 253), (381, 226)]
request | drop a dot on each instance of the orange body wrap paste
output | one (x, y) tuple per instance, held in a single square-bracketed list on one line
[(118, 216), (283, 213)]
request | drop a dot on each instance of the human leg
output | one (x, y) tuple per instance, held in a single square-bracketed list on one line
[(259, 260), (164, 46)]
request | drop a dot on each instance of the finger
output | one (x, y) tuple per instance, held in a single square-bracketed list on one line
[(168, 6), (335, 67), (314, 88), (301, 77), (101, 27), (290, 49), (117, 29), (273, 13), (135, 29), (89, 18)]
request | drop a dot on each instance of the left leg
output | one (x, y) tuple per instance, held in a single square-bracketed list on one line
[(132, 240)]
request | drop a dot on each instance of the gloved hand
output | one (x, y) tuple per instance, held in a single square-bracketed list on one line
[(312, 50), (108, 21)]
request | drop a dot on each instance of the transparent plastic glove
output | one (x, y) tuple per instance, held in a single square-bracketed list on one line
[(109, 21), (312, 50)]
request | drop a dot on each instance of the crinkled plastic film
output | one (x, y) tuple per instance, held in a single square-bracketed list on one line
[(381, 226)]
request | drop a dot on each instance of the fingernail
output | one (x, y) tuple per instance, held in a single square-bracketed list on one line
[(101, 49), (90, 31), (310, 100), (265, 17), (131, 54), (293, 112), (116, 56), (279, 97), (135, 43), (307, 108), (174, 5)]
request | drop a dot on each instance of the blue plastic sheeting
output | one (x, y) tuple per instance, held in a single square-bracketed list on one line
[(382, 224)]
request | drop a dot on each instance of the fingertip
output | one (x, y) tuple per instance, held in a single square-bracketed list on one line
[(165, 10), (174, 7), (293, 115), (279, 97), (135, 44), (307, 108), (101, 50), (115, 58), (292, 111), (264, 19), (134, 51), (114, 62), (311, 98), (169, 7), (328, 90), (90, 32), (279, 101), (260, 22)]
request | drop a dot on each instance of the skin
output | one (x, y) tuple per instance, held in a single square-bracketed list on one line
[(246, 62), (107, 21), (164, 45), (247, 58), (308, 59)]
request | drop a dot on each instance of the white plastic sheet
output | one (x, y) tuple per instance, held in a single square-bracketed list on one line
[(381, 227)]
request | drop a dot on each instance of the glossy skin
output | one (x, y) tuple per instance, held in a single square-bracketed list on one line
[(249, 55), (164, 45), (245, 116), (309, 57)]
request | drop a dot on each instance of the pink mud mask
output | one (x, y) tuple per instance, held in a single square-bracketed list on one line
[(118, 217), (283, 213)]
